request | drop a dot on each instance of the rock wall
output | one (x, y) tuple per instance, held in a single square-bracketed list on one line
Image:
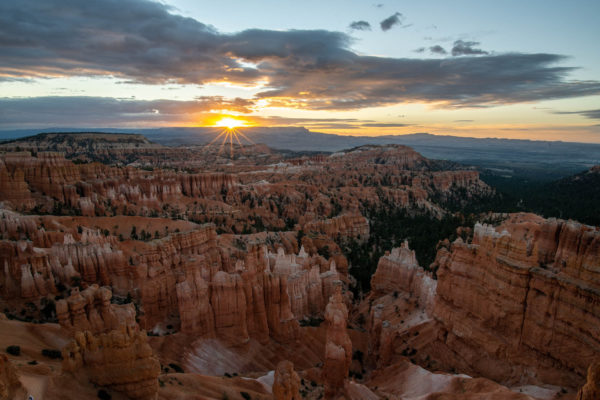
[(400, 303), (107, 345), (338, 346), (160, 266), (310, 280), (521, 301), (10, 386), (398, 271), (34, 267), (91, 310), (120, 359), (286, 384), (184, 279), (591, 389), (88, 187), (351, 226)]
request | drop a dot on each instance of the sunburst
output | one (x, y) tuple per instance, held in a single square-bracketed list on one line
[(229, 134)]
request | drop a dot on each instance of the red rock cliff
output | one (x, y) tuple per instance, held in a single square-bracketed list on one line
[(107, 345), (338, 347), (522, 299)]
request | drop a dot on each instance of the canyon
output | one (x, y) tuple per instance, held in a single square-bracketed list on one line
[(230, 277)]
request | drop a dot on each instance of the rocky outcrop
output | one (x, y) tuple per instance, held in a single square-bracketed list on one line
[(195, 310), (13, 187), (282, 324), (88, 187), (36, 261), (338, 347), (445, 181), (286, 385), (91, 310), (400, 156), (120, 359), (591, 389), (347, 227), (399, 305), (184, 279), (247, 302), (9, 381), (398, 271), (309, 280), (521, 300), (271, 196), (229, 304), (107, 343), (168, 262)]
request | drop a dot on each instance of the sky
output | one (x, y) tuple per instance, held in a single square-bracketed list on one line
[(510, 69)]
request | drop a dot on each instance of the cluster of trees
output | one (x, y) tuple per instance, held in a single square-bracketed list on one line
[(389, 228), (576, 197), (143, 235)]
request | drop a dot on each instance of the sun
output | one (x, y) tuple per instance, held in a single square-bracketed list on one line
[(230, 135), (230, 123)]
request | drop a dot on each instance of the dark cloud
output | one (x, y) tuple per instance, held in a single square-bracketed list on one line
[(107, 111), (134, 39), (391, 21), (332, 126), (419, 50), (462, 48), (360, 81), (384, 125), (141, 41), (591, 114), (346, 123), (437, 49), (360, 26)]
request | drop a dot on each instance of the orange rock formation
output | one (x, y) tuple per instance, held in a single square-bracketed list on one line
[(591, 389), (120, 359), (108, 345), (521, 299), (286, 385), (338, 347), (9, 382)]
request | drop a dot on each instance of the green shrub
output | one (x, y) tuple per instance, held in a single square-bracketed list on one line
[(176, 368), (52, 353), (246, 395), (104, 395)]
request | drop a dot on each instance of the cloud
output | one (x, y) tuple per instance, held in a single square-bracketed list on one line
[(437, 49), (591, 114), (142, 41), (332, 126), (391, 21), (384, 125), (462, 48), (360, 26), (419, 50), (108, 111), (354, 81)]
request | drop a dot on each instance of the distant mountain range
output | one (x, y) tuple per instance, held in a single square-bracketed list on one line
[(537, 159)]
